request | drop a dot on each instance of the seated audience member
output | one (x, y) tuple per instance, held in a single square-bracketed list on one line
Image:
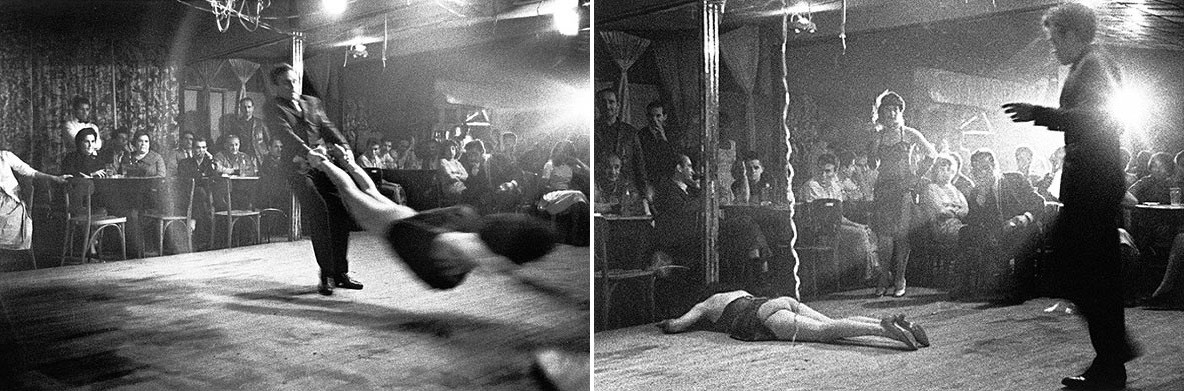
[(1125, 158), (184, 150), (451, 172), (562, 196), (854, 248), (84, 161), (1049, 187), (1026, 165), (1156, 186), (507, 147), (403, 157), (231, 161), (115, 149), (16, 226), (1140, 167), (749, 318), (429, 154), (865, 175), (678, 207), (201, 165), (613, 194), (847, 176), (273, 182), (751, 186), (961, 181), (1002, 221), (942, 207), (373, 157), (272, 164), (493, 183), (143, 162)]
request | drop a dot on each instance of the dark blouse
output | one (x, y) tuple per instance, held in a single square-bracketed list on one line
[(78, 164), (152, 164)]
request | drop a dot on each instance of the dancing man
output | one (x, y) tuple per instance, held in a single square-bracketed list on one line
[(1087, 253)]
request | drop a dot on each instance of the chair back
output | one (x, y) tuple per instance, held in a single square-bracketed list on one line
[(79, 198), (819, 221), (222, 189), (177, 198)]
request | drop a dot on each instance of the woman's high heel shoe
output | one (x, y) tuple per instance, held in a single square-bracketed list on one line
[(898, 332), (913, 328), (898, 292)]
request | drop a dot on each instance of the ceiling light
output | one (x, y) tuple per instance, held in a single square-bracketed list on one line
[(334, 7)]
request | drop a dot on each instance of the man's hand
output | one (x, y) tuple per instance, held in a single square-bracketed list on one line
[(1019, 112)]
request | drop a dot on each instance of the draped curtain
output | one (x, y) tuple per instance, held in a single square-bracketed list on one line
[(243, 70), (40, 73), (625, 49), (740, 51), (680, 70)]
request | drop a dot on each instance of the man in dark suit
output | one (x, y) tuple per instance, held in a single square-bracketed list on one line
[(1004, 210), (300, 121), (654, 143), (1085, 240)]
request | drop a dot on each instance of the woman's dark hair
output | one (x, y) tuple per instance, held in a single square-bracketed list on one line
[(476, 144), (444, 149), (81, 136), (141, 133), (846, 158)]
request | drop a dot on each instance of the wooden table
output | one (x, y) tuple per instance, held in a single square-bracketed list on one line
[(128, 197)]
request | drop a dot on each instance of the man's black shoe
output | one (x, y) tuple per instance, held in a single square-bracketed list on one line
[(345, 282), (1090, 380), (326, 286)]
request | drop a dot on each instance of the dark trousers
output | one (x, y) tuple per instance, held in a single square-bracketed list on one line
[(1089, 260), (326, 219)]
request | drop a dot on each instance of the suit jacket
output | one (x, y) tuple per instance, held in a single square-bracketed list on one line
[(1092, 176), (308, 127), (659, 155), (1012, 196), (621, 139)]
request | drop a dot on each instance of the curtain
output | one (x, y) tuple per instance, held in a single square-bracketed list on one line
[(40, 72), (680, 70), (739, 50), (242, 69), (625, 49)]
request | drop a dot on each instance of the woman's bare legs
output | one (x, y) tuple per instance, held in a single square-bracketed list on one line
[(900, 263), (791, 320), (887, 244), (712, 308)]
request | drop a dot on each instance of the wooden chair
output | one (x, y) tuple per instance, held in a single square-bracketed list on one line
[(230, 215), (608, 279), (81, 215), (818, 224), (177, 208)]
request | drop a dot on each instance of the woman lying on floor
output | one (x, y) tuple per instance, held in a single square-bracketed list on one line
[(750, 318)]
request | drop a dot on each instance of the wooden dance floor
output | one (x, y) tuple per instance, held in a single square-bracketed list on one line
[(250, 318), (975, 347)]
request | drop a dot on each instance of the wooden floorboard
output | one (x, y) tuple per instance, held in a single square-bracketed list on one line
[(975, 347), (250, 318)]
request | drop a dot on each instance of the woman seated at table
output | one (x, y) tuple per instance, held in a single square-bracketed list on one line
[(562, 197), (84, 161), (231, 161), (16, 227), (1155, 187), (749, 318), (615, 195), (143, 162), (854, 246), (942, 205), (451, 172)]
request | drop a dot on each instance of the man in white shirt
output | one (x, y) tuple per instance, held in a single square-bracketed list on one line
[(79, 119)]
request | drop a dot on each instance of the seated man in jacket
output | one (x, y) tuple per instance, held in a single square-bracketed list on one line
[(1003, 221)]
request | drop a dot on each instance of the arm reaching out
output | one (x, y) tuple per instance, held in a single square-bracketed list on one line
[(372, 210)]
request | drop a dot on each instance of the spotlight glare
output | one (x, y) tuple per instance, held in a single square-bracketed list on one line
[(334, 7), (567, 21), (1129, 105)]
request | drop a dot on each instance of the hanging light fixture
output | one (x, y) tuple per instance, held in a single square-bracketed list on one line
[(802, 23)]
